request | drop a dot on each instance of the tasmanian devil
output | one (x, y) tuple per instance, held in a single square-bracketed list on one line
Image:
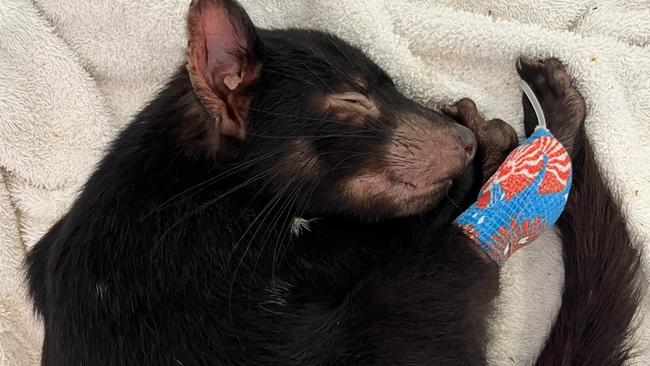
[(280, 202)]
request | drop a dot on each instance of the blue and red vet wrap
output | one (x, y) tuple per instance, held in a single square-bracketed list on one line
[(522, 199)]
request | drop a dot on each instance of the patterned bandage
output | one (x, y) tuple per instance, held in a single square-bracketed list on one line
[(522, 199)]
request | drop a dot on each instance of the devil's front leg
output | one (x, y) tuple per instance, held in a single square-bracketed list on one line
[(496, 139), (601, 260)]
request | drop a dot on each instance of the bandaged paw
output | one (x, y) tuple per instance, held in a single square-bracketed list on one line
[(522, 199)]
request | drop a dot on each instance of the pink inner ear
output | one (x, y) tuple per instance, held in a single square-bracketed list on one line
[(220, 62), (222, 42)]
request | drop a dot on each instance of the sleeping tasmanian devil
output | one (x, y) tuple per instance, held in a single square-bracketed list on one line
[(280, 202)]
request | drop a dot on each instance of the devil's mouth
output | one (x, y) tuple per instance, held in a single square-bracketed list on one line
[(417, 191), (414, 199), (406, 197)]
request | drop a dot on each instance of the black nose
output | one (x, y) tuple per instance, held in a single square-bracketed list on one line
[(468, 141)]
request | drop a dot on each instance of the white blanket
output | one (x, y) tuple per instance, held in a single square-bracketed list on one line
[(73, 72)]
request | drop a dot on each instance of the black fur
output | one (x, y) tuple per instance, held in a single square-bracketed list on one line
[(179, 254)]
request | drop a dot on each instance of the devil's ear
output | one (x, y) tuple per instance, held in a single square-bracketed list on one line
[(223, 60)]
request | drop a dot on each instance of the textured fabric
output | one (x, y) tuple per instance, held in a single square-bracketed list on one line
[(73, 72), (523, 198)]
